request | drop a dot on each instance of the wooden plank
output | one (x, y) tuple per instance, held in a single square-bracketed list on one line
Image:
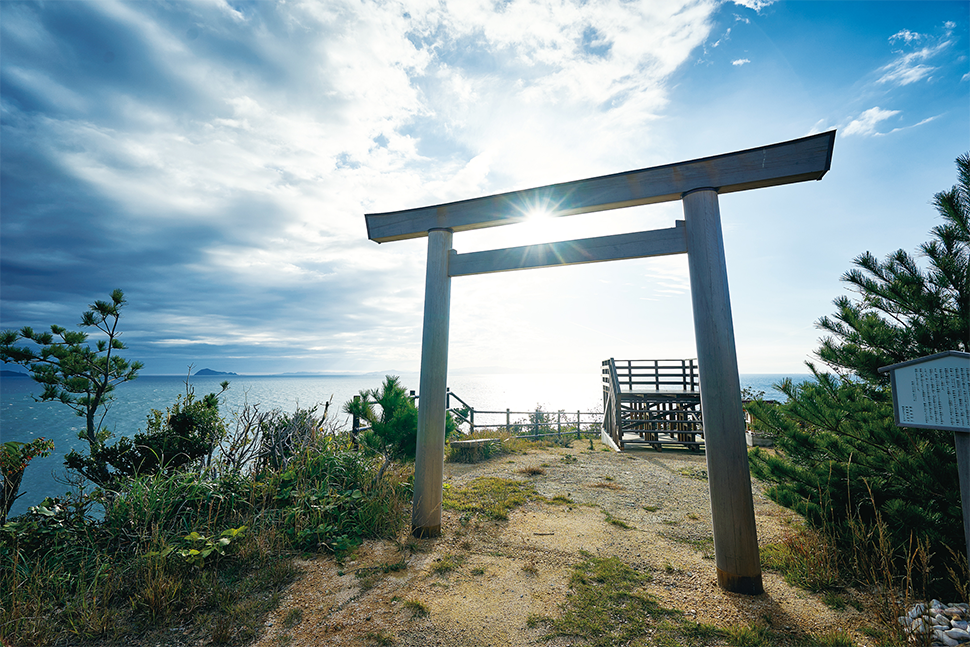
[(659, 242), (798, 160)]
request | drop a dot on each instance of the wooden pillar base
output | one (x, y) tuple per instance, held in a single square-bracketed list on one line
[(740, 583), (428, 532)]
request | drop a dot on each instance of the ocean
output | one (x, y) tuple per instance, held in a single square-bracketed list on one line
[(24, 419)]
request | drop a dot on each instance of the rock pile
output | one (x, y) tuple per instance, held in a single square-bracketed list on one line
[(949, 624)]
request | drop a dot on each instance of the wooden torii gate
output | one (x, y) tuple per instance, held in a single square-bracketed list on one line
[(697, 183)]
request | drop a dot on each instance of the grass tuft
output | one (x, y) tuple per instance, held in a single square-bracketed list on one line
[(447, 563), (417, 609), (490, 497), (805, 559), (608, 605)]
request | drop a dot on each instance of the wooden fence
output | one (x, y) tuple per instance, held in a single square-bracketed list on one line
[(537, 424)]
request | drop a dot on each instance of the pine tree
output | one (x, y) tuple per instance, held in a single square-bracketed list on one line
[(905, 311), (841, 461), (73, 372), (393, 432)]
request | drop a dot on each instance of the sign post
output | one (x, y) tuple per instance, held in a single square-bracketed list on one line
[(933, 392)]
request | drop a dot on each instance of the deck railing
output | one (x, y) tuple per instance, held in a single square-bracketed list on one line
[(653, 374)]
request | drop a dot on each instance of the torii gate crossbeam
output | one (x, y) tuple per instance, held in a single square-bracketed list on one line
[(697, 183)]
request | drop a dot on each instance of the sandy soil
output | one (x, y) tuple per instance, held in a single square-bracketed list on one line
[(512, 569)]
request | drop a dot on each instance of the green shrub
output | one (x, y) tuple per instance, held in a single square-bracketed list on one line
[(183, 436), (332, 497), (14, 458)]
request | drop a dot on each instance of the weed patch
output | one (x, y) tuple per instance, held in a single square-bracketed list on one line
[(698, 473), (447, 563), (616, 521), (805, 559), (608, 605), (604, 485), (490, 497)]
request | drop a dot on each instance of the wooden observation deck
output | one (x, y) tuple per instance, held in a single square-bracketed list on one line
[(653, 402)]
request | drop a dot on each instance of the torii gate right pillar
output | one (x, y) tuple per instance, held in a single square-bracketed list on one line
[(732, 508)]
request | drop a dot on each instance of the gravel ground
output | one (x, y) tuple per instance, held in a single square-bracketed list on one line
[(508, 570)]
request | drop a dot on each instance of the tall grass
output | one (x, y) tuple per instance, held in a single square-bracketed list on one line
[(208, 552)]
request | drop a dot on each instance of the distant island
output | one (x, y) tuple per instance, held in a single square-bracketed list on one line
[(6, 373), (209, 371)]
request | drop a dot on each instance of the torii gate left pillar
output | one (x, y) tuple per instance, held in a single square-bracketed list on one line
[(430, 452), (697, 183)]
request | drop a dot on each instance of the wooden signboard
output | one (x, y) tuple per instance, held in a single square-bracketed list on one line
[(932, 392)]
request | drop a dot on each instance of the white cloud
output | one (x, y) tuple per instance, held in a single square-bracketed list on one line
[(740, 62), (292, 120), (757, 5), (868, 121)]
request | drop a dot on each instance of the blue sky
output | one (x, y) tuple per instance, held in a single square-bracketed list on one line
[(215, 159)]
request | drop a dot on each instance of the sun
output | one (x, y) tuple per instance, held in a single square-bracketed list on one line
[(538, 214)]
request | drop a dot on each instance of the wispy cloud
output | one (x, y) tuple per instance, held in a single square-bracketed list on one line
[(867, 123), (910, 67), (906, 36), (741, 61)]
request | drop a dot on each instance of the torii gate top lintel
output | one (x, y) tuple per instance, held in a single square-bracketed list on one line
[(798, 160)]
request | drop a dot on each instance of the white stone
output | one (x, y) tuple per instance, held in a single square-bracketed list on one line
[(943, 638), (941, 619), (960, 624), (958, 634)]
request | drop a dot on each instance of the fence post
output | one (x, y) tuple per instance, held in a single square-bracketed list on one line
[(471, 420), (356, 427), (508, 427), (535, 429), (579, 426)]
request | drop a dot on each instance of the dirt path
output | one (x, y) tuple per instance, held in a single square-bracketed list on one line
[(503, 572)]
